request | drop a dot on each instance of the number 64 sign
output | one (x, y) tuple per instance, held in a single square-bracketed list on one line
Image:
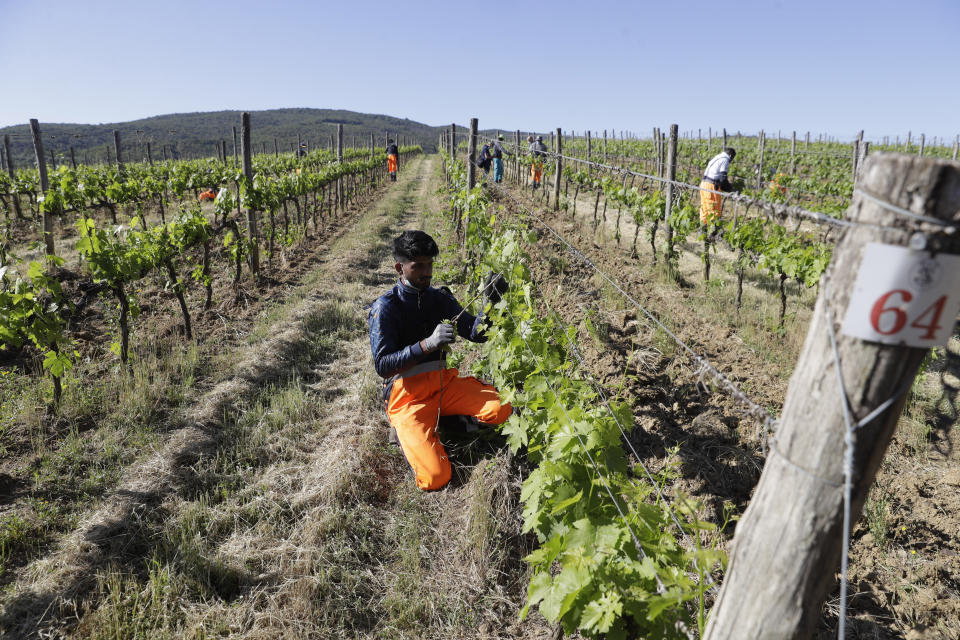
[(906, 297)]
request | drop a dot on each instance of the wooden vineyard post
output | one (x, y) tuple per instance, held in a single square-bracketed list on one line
[(862, 150), (253, 236), (149, 155), (453, 142), (762, 143), (44, 184), (923, 140), (671, 169), (604, 146), (516, 156), (724, 138), (589, 157), (373, 152), (472, 155), (559, 169), (788, 544), (235, 163), (116, 151), (53, 160), (956, 147), (340, 161), (907, 144), (793, 154), (276, 148)]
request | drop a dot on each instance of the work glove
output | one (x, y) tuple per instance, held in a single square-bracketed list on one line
[(443, 334), (494, 287)]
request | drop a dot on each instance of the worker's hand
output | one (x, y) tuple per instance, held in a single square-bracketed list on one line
[(443, 334), (495, 286)]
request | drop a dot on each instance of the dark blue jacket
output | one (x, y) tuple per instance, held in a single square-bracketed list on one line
[(404, 316), (392, 150)]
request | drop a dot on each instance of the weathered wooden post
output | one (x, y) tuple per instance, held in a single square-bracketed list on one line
[(559, 168), (724, 138), (671, 170), (907, 147), (44, 184), (472, 155), (53, 160), (761, 144), (235, 163), (373, 152), (956, 147), (923, 140), (276, 148), (253, 236), (589, 150), (793, 153), (788, 544), (453, 142), (340, 201), (516, 156)]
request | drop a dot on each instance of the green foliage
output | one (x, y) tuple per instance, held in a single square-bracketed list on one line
[(589, 572)]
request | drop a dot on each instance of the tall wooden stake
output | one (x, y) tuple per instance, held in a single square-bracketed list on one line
[(762, 146), (793, 153), (472, 155), (559, 168), (44, 185), (235, 163), (253, 236), (788, 543), (671, 170)]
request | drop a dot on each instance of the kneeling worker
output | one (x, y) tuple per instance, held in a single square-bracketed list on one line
[(407, 335)]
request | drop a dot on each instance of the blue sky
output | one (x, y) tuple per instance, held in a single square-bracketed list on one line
[(831, 67)]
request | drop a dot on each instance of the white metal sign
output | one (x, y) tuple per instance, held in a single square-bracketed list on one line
[(903, 296)]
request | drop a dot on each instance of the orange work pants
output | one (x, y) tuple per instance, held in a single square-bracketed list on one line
[(391, 163), (536, 171), (412, 411), (711, 203)]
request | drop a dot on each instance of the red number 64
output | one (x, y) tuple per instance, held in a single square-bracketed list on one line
[(900, 316)]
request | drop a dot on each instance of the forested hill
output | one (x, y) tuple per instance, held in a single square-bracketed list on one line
[(189, 135)]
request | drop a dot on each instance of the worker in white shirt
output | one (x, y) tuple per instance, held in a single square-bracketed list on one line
[(715, 181)]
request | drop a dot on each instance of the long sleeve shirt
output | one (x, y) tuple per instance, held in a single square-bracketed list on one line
[(404, 316), (498, 150), (392, 150)]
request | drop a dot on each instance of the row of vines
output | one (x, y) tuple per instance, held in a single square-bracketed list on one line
[(609, 560), (118, 250)]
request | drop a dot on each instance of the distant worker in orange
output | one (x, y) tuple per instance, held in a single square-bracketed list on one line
[(713, 183), (409, 327), (539, 151), (392, 154), (209, 194)]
